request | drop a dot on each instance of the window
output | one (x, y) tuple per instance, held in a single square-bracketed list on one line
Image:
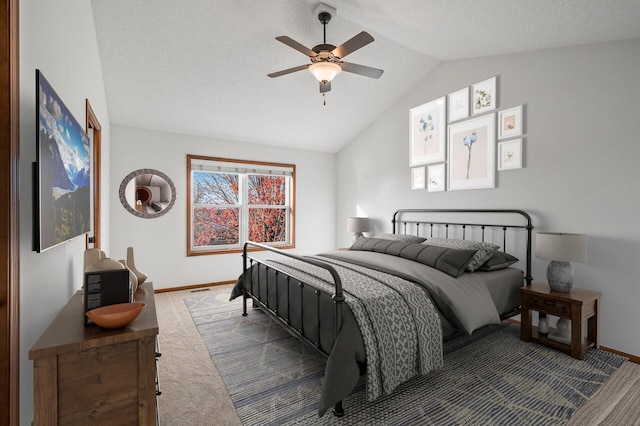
[(232, 201)]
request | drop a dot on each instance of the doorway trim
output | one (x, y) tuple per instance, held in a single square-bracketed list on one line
[(9, 214), (93, 123)]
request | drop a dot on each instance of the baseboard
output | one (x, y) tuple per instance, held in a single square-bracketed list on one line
[(632, 358), (192, 287)]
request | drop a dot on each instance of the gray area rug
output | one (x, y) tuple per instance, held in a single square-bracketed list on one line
[(491, 378)]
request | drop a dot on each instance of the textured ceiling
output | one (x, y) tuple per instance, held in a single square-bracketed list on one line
[(200, 66)]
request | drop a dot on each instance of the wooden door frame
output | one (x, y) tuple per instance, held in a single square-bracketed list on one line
[(93, 123), (9, 214)]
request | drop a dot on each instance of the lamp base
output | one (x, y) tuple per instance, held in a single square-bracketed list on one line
[(560, 276), (357, 236)]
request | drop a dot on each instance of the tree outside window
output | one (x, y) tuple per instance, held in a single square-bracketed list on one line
[(236, 200)]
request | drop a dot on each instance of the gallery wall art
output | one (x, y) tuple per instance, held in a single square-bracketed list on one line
[(472, 149), (483, 96), (471, 155), (458, 104), (436, 177), (510, 122), (417, 178), (428, 133), (510, 154)]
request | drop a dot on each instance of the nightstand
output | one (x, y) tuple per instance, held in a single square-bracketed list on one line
[(578, 305)]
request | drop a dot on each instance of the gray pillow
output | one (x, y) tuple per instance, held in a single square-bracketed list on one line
[(499, 260), (400, 237), (450, 261), (483, 250)]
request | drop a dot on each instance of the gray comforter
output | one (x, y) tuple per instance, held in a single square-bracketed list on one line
[(463, 303), (399, 326)]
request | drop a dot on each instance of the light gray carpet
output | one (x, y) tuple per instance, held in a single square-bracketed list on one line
[(274, 379), (193, 393)]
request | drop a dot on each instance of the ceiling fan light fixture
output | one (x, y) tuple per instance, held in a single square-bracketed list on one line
[(325, 71)]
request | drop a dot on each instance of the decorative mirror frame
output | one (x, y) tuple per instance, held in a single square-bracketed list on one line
[(133, 175)]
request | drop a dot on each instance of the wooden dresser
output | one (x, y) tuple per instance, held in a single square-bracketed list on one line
[(90, 375)]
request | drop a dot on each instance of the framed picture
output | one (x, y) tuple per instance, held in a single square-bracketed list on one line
[(417, 178), (510, 122), (510, 154), (483, 96), (63, 175), (458, 103), (435, 178), (472, 153), (428, 133)]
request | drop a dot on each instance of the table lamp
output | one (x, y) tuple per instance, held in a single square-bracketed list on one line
[(357, 225), (561, 249)]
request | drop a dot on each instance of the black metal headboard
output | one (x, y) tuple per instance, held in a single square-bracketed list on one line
[(416, 222)]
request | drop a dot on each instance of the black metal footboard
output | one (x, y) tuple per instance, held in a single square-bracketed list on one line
[(284, 298), (313, 315)]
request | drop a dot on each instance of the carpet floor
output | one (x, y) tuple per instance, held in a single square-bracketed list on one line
[(274, 379)]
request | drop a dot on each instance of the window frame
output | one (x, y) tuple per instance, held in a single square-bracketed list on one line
[(244, 206)]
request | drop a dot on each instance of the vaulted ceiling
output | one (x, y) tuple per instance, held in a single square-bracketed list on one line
[(200, 66)]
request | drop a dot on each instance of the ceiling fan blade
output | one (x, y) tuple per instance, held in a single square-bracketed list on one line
[(353, 44), (361, 69), (325, 87), (288, 71), (294, 44)]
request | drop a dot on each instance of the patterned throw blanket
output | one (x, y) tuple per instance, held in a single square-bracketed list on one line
[(400, 327)]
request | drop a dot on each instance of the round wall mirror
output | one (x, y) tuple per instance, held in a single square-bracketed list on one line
[(147, 193)]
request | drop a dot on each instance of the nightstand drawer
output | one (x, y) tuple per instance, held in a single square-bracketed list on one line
[(550, 306)]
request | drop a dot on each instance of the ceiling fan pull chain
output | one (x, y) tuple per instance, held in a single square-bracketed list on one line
[(324, 100)]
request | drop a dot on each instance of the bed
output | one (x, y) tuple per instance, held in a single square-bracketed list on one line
[(383, 307)]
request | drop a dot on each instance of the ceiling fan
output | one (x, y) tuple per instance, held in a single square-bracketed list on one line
[(326, 59)]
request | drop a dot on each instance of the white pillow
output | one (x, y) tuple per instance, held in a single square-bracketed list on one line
[(483, 250)]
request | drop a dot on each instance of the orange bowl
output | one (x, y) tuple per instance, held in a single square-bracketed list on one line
[(115, 316)]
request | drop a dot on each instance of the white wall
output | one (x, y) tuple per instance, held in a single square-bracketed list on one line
[(160, 244), (581, 163), (59, 39)]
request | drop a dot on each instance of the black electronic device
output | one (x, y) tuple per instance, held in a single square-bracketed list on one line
[(102, 288)]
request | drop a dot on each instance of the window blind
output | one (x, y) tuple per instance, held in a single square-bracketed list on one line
[(236, 167)]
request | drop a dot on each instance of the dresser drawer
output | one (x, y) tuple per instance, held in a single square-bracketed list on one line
[(551, 306)]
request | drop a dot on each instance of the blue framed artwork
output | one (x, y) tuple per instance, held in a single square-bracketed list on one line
[(62, 172)]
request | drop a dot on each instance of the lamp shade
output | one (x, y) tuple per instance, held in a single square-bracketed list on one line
[(325, 71), (358, 224), (561, 247)]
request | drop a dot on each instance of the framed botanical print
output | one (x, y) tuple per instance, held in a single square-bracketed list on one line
[(510, 122), (483, 96), (435, 178), (472, 152), (458, 104), (510, 154), (417, 178), (428, 133)]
